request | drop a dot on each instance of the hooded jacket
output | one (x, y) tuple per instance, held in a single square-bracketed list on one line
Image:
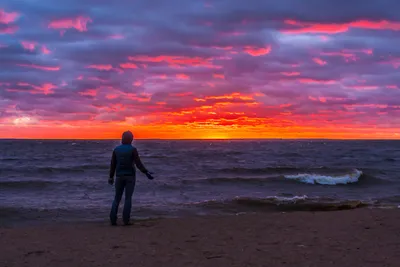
[(125, 157)]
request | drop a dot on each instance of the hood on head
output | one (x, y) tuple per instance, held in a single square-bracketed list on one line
[(127, 138)]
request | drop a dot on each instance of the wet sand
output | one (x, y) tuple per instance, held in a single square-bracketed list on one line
[(361, 237)]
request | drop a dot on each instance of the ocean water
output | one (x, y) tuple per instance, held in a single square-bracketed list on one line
[(66, 180)]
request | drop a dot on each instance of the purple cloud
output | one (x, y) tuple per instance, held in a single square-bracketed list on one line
[(286, 60)]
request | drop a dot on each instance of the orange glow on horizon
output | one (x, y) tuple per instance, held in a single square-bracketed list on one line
[(194, 131), (228, 116)]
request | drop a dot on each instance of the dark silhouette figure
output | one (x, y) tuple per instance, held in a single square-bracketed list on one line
[(123, 161)]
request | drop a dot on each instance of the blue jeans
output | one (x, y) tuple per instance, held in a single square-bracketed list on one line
[(126, 183)]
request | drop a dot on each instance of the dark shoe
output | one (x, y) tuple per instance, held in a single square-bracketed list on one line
[(128, 223), (113, 223)]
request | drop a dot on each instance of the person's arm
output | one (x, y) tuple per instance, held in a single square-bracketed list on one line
[(113, 165), (138, 162)]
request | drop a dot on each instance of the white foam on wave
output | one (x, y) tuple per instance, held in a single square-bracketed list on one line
[(290, 199), (311, 178)]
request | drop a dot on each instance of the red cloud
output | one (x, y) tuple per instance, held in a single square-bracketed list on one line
[(137, 83), (176, 60), (182, 76), (368, 51), (290, 73), (78, 23), (57, 68), (231, 98), (90, 92), (28, 45), (348, 54), (219, 76), (333, 28), (181, 94), (45, 50), (45, 89), (256, 52), (319, 99), (307, 80), (8, 17), (319, 61), (100, 67), (376, 25), (128, 65)]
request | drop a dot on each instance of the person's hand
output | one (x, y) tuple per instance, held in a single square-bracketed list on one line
[(149, 175), (110, 181)]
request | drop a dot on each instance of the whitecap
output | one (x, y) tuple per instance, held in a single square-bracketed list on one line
[(289, 199), (312, 178)]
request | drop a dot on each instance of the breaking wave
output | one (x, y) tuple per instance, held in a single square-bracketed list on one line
[(322, 177), (311, 178)]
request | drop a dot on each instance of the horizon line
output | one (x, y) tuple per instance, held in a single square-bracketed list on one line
[(197, 139)]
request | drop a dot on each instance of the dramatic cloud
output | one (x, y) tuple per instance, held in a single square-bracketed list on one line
[(221, 68), (334, 28), (78, 23), (6, 22), (8, 17)]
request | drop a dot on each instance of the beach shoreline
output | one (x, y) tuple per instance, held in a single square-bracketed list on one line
[(360, 237)]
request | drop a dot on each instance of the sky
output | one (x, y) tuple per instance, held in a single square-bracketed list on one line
[(200, 69)]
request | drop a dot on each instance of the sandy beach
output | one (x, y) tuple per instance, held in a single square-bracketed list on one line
[(362, 237)]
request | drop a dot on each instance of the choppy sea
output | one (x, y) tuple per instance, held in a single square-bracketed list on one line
[(66, 180)]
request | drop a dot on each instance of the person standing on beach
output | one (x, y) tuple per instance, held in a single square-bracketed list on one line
[(123, 161)]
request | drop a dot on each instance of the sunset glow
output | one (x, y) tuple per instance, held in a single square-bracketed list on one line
[(200, 70)]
